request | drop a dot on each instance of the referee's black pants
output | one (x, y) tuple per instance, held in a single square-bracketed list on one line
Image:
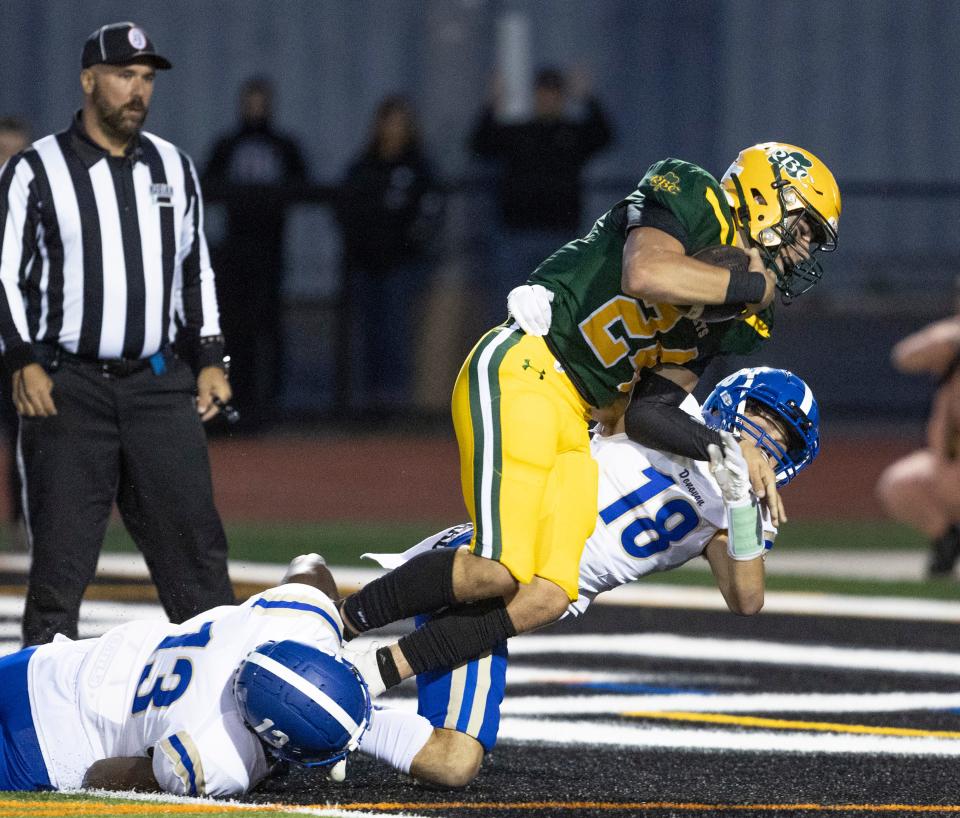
[(136, 439)]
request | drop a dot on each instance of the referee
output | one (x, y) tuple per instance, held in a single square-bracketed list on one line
[(103, 262)]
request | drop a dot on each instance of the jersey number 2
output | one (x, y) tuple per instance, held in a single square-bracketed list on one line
[(646, 536)]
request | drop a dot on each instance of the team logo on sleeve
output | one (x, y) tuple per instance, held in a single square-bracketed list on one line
[(793, 163), (668, 183)]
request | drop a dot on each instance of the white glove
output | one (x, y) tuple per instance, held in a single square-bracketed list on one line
[(729, 469), (529, 304), (744, 520)]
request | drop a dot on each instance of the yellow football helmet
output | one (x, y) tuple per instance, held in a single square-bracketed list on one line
[(769, 187)]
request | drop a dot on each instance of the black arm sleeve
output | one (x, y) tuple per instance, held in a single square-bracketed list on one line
[(654, 419), (650, 214)]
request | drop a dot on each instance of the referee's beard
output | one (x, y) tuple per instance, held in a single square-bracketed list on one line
[(120, 122)]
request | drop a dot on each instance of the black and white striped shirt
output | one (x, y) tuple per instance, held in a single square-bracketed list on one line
[(102, 255)]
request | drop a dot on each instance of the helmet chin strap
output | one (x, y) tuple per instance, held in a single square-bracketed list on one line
[(743, 211), (743, 216)]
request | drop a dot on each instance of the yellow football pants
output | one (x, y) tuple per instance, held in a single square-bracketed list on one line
[(526, 472)]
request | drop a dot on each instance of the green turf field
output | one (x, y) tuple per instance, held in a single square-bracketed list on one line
[(342, 543), (50, 805)]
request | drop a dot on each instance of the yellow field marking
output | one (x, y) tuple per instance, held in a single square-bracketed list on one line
[(785, 724), (40, 808), (643, 805)]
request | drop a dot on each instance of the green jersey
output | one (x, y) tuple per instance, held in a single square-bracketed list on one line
[(603, 337)]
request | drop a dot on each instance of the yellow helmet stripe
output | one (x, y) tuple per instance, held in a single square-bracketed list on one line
[(726, 228)]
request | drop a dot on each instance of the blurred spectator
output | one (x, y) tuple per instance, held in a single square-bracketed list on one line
[(923, 488), (540, 166), (389, 208), (256, 172), (14, 137)]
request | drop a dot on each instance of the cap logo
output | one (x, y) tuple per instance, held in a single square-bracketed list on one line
[(137, 38)]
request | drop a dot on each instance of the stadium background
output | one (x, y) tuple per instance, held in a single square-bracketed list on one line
[(871, 87)]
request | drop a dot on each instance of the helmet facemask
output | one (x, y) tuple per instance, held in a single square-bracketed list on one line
[(799, 270), (789, 459), (775, 396), (787, 204)]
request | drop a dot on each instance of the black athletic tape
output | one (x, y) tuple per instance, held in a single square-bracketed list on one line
[(422, 585), (387, 667), (654, 419), (745, 288), (458, 635)]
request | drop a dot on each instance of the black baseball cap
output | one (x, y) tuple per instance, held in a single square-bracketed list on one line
[(118, 44)]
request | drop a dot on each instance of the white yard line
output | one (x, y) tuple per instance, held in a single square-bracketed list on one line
[(904, 564), (752, 703), (648, 593), (740, 651), (552, 731), (240, 806)]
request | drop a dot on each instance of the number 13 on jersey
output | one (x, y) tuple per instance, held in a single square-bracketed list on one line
[(649, 532)]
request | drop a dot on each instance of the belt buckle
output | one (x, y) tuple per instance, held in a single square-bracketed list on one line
[(119, 368)]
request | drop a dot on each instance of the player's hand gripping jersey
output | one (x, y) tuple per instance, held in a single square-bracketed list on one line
[(146, 688), (603, 337)]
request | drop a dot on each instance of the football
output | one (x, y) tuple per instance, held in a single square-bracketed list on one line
[(720, 255)]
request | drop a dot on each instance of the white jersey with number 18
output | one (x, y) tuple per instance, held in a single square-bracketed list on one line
[(657, 511)]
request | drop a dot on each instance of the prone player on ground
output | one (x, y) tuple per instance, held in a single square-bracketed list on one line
[(207, 707), (657, 512)]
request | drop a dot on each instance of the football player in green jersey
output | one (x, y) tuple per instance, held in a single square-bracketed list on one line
[(611, 305), (629, 314)]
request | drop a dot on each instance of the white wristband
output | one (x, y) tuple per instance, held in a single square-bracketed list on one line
[(744, 529)]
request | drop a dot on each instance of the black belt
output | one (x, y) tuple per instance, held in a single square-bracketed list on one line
[(111, 367)]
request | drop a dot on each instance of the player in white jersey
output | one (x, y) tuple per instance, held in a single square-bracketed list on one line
[(155, 705), (208, 706), (657, 512)]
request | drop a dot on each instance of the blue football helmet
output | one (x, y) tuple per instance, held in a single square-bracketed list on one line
[(779, 394), (309, 706)]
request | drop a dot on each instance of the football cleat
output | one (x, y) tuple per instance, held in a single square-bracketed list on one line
[(778, 395), (306, 705), (772, 186)]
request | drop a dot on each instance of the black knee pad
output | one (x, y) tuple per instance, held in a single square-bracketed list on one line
[(458, 635)]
